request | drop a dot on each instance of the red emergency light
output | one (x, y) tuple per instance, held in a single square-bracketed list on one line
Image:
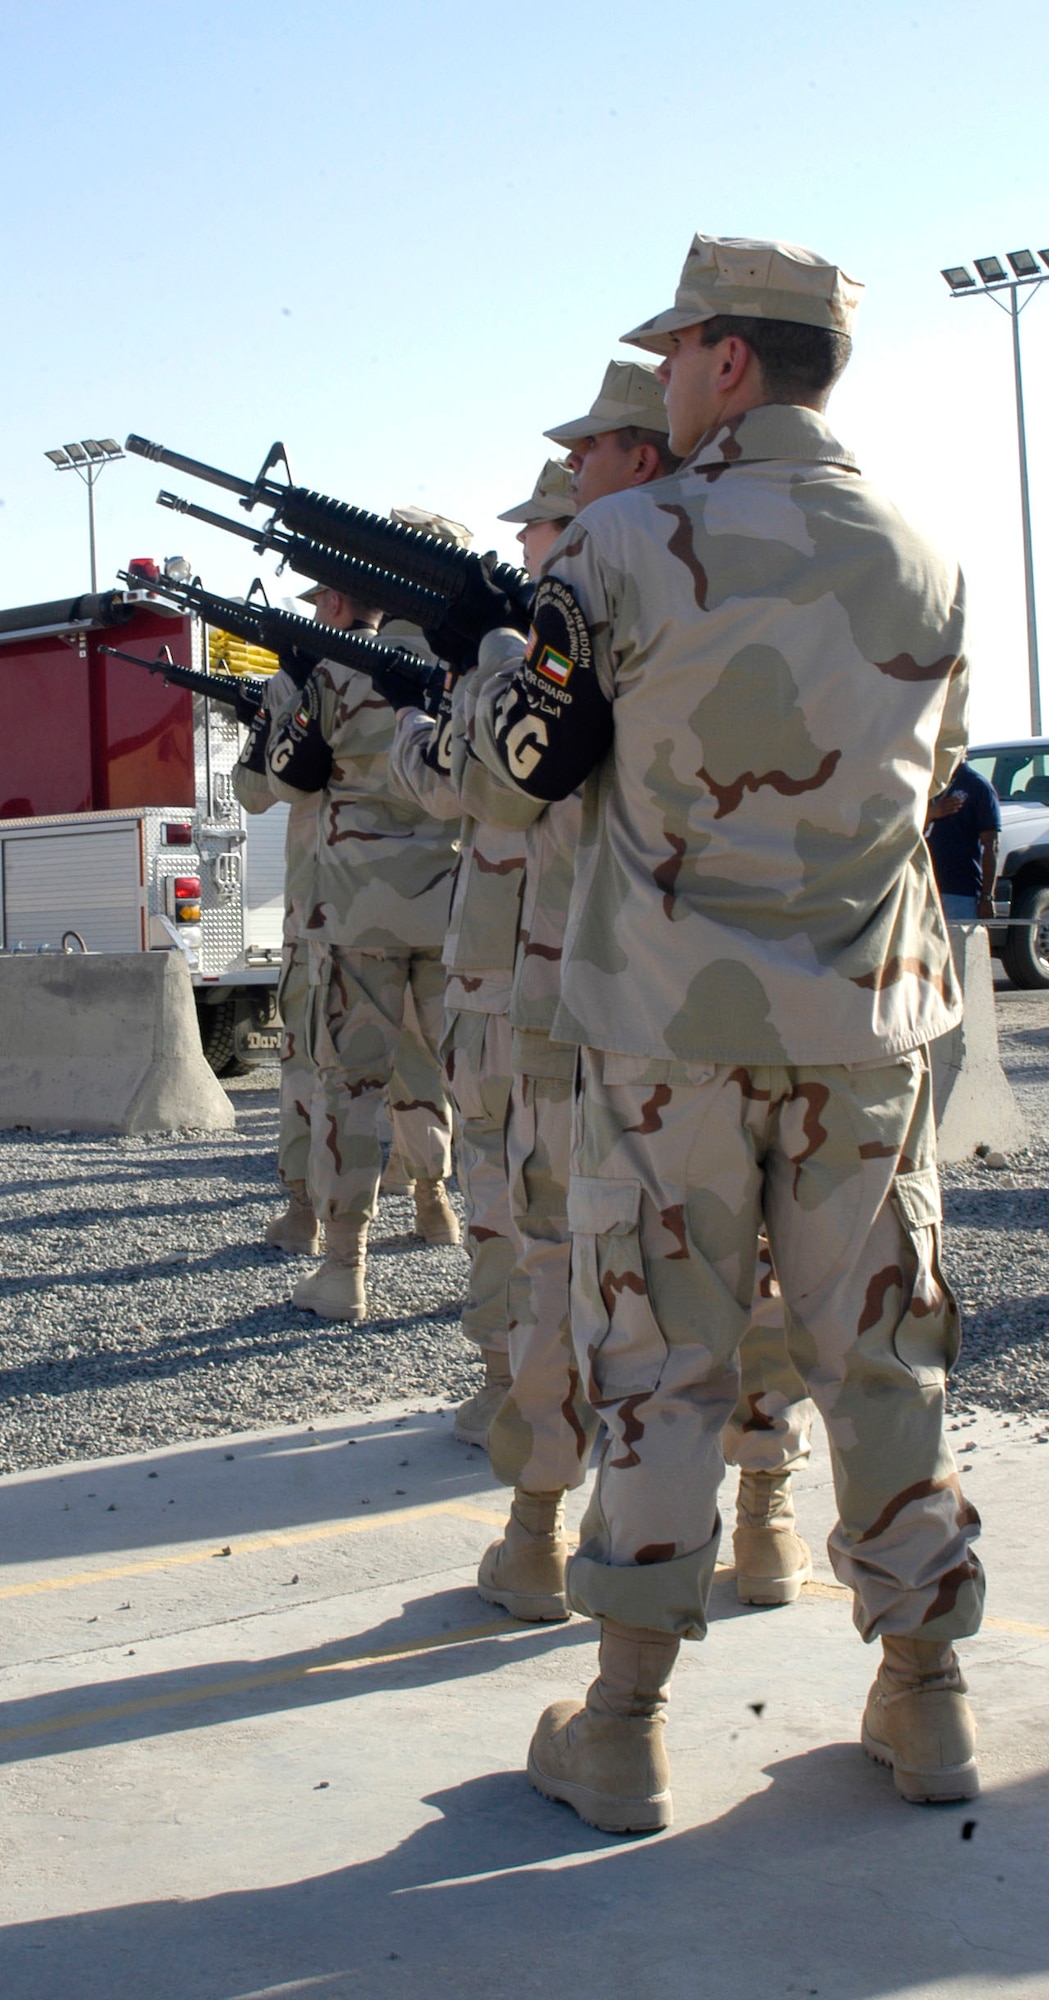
[(178, 833)]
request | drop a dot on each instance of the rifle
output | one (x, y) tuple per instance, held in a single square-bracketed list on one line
[(373, 587), (242, 695), (301, 642), (401, 551)]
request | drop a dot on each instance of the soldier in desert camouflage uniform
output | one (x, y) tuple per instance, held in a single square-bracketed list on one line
[(540, 1440), (296, 1229), (758, 668), (375, 924), (478, 957)]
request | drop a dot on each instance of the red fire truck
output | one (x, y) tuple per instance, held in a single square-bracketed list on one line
[(119, 830)]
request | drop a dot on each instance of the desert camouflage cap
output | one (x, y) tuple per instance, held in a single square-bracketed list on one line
[(631, 393), (756, 280), (433, 524), (551, 499)]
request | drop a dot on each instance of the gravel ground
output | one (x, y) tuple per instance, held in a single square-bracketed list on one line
[(139, 1307)]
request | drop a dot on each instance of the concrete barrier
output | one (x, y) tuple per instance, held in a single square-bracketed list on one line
[(975, 1105), (105, 1043)]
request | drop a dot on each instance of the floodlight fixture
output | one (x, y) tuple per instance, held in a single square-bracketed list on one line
[(87, 459), (1013, 291)]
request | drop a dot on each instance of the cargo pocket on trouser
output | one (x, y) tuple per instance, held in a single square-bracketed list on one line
[(928, 1334), (619, 1344), (461, 1052)]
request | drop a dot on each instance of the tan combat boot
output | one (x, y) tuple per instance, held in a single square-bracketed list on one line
[(607, 1760), (772, 1561), (918, 1721), (397, 1177), (472, 1418), (435, 1218), (297, 1230), (336, 1290), (525, 1571)]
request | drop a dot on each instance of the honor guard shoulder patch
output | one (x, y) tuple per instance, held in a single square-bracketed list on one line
[(559, 640)]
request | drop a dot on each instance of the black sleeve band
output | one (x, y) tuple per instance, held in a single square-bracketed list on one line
[(298, 753), (253, 755), (554, 723), (437, 752)]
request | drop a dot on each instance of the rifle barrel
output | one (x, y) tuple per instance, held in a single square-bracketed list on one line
[(145, 448), (230, 692)]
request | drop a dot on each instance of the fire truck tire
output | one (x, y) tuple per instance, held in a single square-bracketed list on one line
[(216, 1037)]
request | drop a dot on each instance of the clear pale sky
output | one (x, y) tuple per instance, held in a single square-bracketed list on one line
[(405, 240)]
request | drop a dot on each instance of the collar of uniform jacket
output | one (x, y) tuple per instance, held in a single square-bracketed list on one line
[(772, 431)]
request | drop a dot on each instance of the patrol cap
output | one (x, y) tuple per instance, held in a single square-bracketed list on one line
[(748, 278), (552, 498), (631, 393), (433, 524)]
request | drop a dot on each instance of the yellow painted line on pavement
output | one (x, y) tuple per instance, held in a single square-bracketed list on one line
[(83, 1718), (363, 1524), (989, 1625)]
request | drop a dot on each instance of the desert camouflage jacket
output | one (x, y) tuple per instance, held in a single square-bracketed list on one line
[(482, 928), (550, 842), (762, 664), (256, 795), (384, 867)]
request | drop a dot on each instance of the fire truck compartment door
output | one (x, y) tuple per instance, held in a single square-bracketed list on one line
[(86, 881), (264, 880)]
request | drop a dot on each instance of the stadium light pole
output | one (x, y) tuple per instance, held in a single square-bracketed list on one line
[(994, 279), (88, 458)]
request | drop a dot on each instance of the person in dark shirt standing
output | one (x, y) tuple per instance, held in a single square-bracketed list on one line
[(962, 833)]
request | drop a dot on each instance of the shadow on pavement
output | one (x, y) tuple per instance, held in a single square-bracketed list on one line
[(822, 1884), (247, 1484)]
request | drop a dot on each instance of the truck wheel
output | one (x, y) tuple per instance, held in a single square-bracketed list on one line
[(216, 1037), (1025, 954)]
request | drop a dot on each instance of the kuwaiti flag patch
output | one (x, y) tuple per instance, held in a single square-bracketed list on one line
[(554, 666)]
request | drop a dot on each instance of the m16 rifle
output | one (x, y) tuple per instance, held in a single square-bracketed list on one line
[(375, 588), (480, 592), (400, 676), (242, 695)]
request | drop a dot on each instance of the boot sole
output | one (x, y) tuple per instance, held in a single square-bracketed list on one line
[(294, 1249), (597, 1809), (330, 1312), (545, 1610), (924, 1788), (773, 1589), (478, 1438)]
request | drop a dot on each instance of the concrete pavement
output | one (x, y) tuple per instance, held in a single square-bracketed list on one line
[(261, 1738)]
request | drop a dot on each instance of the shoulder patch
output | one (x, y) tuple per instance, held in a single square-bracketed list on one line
[(558, 640)]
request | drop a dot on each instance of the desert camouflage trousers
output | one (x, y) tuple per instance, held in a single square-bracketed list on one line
[(543, 1432), (296, 1069), (542, 1436), (418, 1106), (675, 1166), (354, 1018), (476, 1051)]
